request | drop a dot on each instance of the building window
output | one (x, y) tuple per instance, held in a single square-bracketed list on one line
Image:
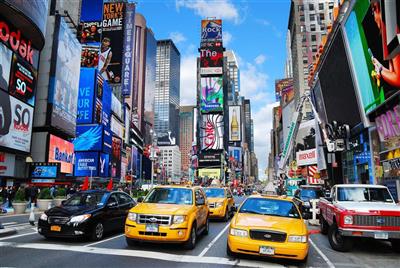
[(321, 6), (301, 7), (331, 5), (305, 61), (302, 18), (311, 6), (304, 38), (313, 37), (312, 27), (312, 17), (314, 48), (322, 27), (302, 28), (321, 16)]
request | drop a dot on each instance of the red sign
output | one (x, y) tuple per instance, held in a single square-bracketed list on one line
[(14, 40)]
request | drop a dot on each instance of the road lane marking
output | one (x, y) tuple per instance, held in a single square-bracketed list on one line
[(330, 264), (18, 215), (102, 241), (9, 223), (15, 236), (142, 254), (213, 241)]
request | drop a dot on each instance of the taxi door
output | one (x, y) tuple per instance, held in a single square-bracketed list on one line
[(231, 201), (202, 209)]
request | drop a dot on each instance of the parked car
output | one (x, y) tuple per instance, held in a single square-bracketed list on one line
[(269, 226), (220, 202), (171, 214), (87, 214), (359, 210), (306, 193)]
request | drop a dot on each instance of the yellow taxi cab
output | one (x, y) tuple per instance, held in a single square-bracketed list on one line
[(269, 226), (171, 214), (220, 202)]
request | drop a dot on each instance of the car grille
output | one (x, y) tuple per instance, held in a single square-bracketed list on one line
[(369, 220), (211, 205), (153, 234), (268, 235), (57, 220), (157, 219)]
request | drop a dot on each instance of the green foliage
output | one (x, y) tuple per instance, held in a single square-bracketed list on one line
[(45, 194), (61, 192), (19, 196)]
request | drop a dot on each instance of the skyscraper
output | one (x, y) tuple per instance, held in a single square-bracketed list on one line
[(167, 94), (234, 76), (186, 135)]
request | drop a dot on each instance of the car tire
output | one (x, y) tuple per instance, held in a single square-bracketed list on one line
[(337, 241), (226, 216), (323, 225), (395, 245), (131, 242), (191, 242), (229, 252), (207, 227), (97, 232)]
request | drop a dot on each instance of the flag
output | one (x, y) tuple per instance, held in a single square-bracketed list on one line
[(85, 185), (110, 185)]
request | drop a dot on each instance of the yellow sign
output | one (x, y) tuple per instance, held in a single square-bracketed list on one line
[(210, 173)]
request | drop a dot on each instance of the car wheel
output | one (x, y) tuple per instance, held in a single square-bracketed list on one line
[(337, 241), (226, 217), (395, 245), (229, 252), (191, 243), (323, 225), (207, 227), (131, 242), (98, 231)]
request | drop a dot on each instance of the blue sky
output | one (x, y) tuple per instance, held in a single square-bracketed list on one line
[(254, 29)]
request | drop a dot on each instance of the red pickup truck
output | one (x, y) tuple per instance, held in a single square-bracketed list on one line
[(359, 210)]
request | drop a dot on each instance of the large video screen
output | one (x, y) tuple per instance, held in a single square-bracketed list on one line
[(212, 132), (212, 94)]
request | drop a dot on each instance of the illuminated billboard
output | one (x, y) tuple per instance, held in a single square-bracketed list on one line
[(234, 123), (211, 30), (211, 58), (5, 66), (212, 132), (61, 151), (212, 94), (284, 90)]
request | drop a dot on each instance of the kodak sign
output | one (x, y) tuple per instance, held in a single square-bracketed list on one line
[(14, 40)]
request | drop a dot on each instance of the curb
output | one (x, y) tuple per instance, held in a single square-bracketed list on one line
[(7, 232)]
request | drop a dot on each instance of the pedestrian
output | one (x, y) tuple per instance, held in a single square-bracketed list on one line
[(52, 191), (33, 194), (10, 195), (3, 194)]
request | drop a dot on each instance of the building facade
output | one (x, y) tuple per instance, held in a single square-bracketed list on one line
[(170, 159), (186, 118)]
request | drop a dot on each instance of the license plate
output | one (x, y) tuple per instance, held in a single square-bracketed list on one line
[(152, 228), (381, 235), (267, 250), (55, 228)]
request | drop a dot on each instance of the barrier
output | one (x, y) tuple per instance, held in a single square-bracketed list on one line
[(314, 211)]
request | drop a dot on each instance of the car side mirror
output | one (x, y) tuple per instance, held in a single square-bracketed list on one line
[(140, 199), (112, 205)]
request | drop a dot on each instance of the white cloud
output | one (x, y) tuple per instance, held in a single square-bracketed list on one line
[(252, 81), (271, 26), (260, 59), (188, 79), (221, 9), (226, 38), (177, 37)]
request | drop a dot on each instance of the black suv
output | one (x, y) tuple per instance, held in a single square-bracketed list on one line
[(307, 193), (87, 214)]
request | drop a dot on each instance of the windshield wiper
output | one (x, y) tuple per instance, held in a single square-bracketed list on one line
[(252, 212)]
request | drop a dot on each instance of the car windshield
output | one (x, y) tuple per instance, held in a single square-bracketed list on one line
[(361, 194), (271, 207), (179, 196), (86, 199), (309, 194), (214, 192)]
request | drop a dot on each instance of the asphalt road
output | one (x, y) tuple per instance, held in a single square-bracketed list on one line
[(29, 249)]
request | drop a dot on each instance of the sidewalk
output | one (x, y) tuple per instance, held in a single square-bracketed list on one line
[(7, 231)]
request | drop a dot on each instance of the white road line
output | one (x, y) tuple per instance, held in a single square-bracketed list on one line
[(9, 223), (19, 224), (141, 254), (18, 215), (102, 241), (330, 264), (213, 241), (15, 236)]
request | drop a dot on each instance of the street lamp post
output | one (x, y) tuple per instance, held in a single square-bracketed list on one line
[(152, 155)]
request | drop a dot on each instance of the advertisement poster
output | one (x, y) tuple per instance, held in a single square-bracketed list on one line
[(284, 91), (44, 170), (90, 56), (210, 173), (106, 116), (23, 81), (5, 66), (111, 48), (90, 32), (86, 96), (61, 151), (7, 164), (234, 123), (86, 164), (277, 116), (376, 73), (306, 152), (129, 44), (212, 94), (211, 58), (117, 127), (104, 165), (88, 138), (212, 132), (64, 79), (16, 120), (98, 112), (211, 30), (116, 106), (107, 140), (235, 158), (116, 157)]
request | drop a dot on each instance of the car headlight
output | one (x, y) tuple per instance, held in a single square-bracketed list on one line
[(179, 219), (219, 204), (43, 217), (238, 232), (348, 219), (297, 238), (80, 218), (132, 216)]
